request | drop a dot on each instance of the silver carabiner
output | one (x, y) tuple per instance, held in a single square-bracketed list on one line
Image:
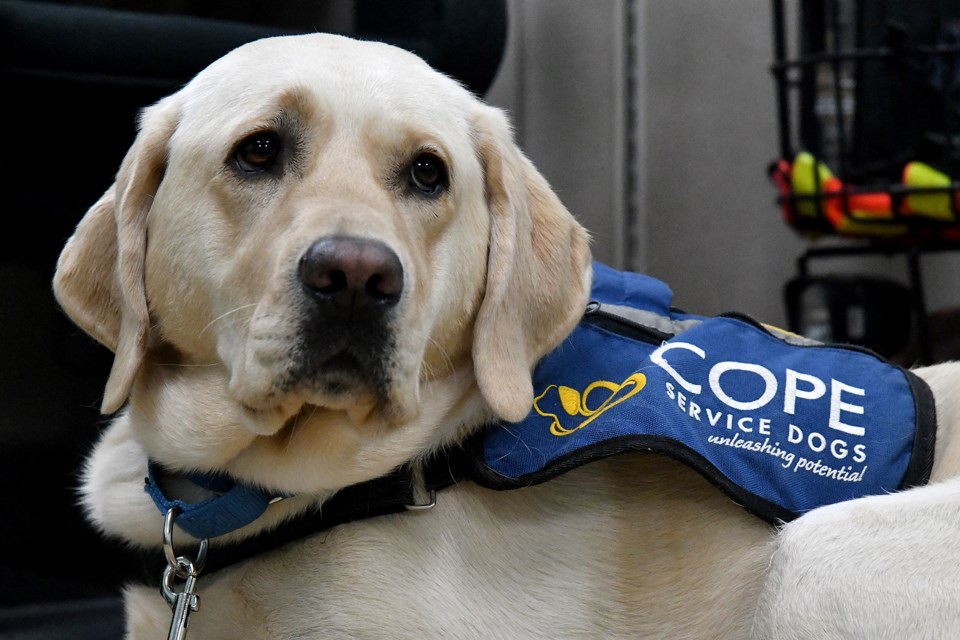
[(172, 559), (182, 603)]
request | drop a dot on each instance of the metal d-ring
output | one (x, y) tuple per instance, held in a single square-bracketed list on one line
[(182, 565), (425, 506)]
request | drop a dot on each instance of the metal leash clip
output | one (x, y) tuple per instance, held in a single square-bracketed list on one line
[(184, 602)]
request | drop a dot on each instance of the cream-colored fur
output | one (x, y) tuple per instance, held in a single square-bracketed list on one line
[(883, 567), (186, 268)]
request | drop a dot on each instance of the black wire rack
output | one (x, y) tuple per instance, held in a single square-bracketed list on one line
[(868, 107)]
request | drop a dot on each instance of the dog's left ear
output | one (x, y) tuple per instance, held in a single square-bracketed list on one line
[(99, 281), (538, 271)]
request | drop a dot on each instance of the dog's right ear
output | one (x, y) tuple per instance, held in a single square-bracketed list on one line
[(538, 271), (99, 281)]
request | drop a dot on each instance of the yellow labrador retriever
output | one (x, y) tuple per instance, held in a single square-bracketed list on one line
[(321, 260)]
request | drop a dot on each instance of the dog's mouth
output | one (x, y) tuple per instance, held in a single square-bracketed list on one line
[(357, 412), (273, 420), (345, 372), (345, 382)]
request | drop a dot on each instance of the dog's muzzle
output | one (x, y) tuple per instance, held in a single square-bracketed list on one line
[(351, 288)]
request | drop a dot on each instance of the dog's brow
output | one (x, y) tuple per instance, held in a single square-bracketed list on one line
[(290, 108)]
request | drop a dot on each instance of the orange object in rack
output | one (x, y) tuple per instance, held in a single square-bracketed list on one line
[(816, 201)]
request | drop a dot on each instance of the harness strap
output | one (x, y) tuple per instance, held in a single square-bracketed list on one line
[(389, 494)]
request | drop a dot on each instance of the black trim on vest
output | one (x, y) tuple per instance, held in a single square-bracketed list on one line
[(925, 435)]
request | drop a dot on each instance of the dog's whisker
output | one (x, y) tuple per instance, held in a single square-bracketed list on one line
[(224, 315), (447, 361), (427, 371), (185, 366), (297, 421)]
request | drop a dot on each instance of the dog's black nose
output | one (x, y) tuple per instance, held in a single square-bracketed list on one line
[(352, 274)]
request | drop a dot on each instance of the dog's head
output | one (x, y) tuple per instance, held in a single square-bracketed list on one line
[(315, 235)]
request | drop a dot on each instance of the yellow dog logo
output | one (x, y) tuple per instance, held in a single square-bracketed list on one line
[(577, 405)]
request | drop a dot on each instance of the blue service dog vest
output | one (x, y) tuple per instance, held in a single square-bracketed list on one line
[(778, 422)]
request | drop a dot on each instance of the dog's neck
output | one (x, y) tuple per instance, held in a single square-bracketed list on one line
[(181, 433), (220, 507)]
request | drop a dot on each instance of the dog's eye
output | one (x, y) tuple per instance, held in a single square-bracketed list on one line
[(257, 153), (428, 174)]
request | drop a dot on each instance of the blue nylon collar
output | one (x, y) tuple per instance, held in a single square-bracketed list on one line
[(235, 505)]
